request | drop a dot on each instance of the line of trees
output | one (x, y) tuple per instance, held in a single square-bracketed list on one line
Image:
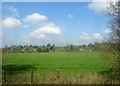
[(52, 48), (28, 48)]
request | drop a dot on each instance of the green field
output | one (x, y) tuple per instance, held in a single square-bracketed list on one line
[(49, 63), (85, 61)]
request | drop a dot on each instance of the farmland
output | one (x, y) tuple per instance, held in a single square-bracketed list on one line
[(46, 65)]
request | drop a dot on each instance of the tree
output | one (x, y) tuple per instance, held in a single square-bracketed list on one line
[(39, 49), (52, 48), (90, 46), (114, 12), (48, 47)]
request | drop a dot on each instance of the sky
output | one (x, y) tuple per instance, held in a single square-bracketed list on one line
[(59, 23)]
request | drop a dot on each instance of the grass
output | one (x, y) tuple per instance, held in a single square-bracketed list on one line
[(47, 64)]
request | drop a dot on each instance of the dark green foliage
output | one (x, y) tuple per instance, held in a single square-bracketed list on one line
[(114, 25)]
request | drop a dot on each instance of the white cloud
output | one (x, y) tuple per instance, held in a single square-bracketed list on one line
[(100, 5), (48, 29), (107, 31), (70, 15), (85, 36), (97, 36), (35, 17), (12, 9), (41, 32), (11, 22)]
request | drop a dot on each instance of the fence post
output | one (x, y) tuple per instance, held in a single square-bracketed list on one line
[(58, 73), (4, 77), (31, 76)]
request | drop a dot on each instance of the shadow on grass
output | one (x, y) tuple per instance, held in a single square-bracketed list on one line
[(14, 68)]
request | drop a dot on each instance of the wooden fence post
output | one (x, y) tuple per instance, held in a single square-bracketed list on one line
[(4, 77), (31, 76), (58, 73)]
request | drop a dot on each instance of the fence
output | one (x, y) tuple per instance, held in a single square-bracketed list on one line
[(7, 74), (59, 78)]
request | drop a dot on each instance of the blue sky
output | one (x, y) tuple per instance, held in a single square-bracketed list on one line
[(60, 23)]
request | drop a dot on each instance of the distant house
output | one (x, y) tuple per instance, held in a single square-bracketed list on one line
[(34, 50), (81, 49)]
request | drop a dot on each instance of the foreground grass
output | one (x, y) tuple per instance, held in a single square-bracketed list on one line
[(70, 65)]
